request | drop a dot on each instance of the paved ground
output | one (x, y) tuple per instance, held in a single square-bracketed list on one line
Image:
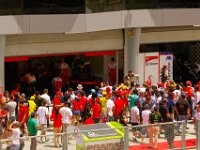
[(72, 146)]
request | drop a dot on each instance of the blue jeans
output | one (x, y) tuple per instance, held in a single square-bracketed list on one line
[(110, 118), (181, 118)]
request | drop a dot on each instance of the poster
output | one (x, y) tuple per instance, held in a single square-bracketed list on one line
[(151, 68), (167, 59)]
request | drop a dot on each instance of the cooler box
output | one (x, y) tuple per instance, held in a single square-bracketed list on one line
[(91, 137)]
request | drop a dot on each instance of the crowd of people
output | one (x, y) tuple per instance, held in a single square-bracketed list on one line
[(126, 103)]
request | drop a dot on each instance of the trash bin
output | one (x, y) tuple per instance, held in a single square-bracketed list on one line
[(102, 136)]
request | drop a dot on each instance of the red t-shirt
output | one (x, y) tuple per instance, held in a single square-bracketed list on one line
[(76, 105), (83, 101), (96, 109), (189, 91), (119, 106), (23, 110), (57, 121), (89, 121)]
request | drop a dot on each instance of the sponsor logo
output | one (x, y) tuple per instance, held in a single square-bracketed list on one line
[(168, 58)]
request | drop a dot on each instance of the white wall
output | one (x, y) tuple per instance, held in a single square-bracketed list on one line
[(36, 44), (80, 23)]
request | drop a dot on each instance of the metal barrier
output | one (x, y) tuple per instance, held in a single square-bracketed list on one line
[(162, 133), (69, 140)]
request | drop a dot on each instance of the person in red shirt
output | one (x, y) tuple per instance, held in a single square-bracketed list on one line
[(119, 106), (112, 71), (23, 115), (89, 120), (56, 102), (57, 123), (76, 110), (83, 100), (189, 91), (96, 111)]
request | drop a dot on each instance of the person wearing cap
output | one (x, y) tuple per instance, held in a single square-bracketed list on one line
[(14, 128), (33, 130), (90, 95), (56, 102), (182, 110)]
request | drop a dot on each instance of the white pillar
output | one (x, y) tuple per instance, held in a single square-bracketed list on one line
[(2, 64), (131, 49)]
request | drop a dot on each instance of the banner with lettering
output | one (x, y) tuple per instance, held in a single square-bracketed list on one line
[(151, 68)]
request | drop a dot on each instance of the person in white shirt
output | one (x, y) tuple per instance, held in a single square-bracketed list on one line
[(109, 110), (43, 114), (145, 117), (46, 97), (135, 119), (66, 113)]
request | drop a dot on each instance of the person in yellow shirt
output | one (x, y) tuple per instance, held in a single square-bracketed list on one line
[(32, 105), (103, 101)]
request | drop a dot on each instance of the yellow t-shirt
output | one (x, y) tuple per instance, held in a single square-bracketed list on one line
[(32, 106)]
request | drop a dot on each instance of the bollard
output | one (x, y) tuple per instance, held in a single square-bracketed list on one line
[(64, 141), (183, 134), (198, 133), (126, 138)]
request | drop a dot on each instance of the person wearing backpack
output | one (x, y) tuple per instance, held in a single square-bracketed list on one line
[(154, 118)]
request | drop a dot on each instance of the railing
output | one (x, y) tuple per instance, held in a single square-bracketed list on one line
[(100, 138)]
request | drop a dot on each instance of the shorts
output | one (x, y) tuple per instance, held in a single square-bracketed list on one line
[(133, 126), (76, 112), (43, 127)]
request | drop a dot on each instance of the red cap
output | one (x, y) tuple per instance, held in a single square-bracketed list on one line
[(108, 89)]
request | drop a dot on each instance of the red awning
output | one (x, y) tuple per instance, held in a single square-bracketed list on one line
[(87, 54), (17, 58), (101, 53)]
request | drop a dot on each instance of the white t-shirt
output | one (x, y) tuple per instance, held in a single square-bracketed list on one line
[(66, 114), (15, 135), (134, 114), (145, 116), (46, 97), (42, 112), (110, 104)]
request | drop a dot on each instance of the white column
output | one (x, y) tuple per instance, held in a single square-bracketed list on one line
[(131, 49), (2, 64)]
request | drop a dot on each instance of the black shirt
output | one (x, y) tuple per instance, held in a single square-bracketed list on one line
[(163, 112), (182, 106)]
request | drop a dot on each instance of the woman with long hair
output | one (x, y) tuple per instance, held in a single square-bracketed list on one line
[(57, 127)]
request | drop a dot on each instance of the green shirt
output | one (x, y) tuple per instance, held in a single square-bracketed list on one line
[(132, 99), (32, 126)]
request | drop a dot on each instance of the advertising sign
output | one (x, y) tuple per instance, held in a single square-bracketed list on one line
[(167, 59), (151, 68)]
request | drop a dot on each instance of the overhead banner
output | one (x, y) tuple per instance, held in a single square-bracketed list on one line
[(151, 68), (167, 59)]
